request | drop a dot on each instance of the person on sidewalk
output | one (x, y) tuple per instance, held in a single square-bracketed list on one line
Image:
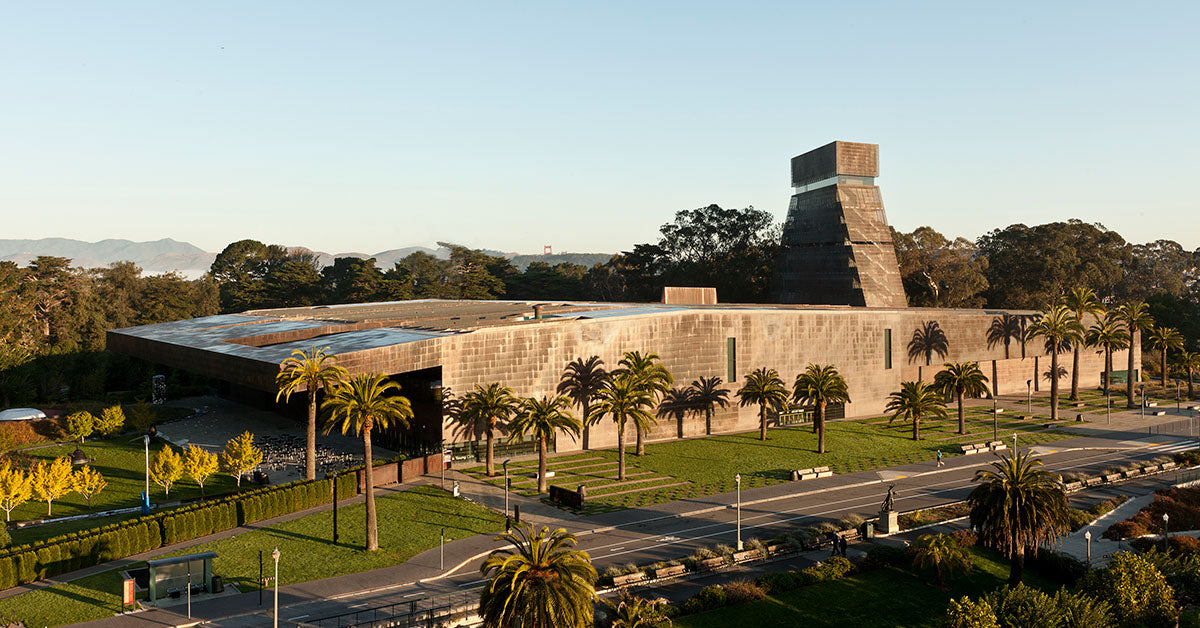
[(939, 459), (833, 542), (842, 546)]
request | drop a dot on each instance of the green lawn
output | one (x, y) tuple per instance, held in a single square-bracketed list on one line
[(883, 598), (409, 523), (122, 461), (707, 466)]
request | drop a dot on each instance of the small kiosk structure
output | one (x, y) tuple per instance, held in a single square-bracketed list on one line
[(170, 576)]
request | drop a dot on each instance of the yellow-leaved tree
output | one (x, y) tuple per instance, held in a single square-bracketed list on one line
[(88, 482), (199, 464), (81, 424), (15, 488), (240, 456), (111, 421), (51, 481), (166, 469)]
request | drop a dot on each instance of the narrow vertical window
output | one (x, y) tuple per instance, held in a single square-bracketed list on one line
[(731, 360), (887, 348)]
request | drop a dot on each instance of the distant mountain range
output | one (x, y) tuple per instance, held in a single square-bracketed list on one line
[(167, 255)]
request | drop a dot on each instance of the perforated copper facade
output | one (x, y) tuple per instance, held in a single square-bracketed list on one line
[(836, 246)]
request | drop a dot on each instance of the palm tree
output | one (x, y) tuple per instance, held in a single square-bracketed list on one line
[(677, 403), (650, 374), (763, 388), (707, 393), (943, 553), (582, 381), (489, 406), (1003, 329), (960, 379), (311, 372), (1081, 301), (1061, 332), (819, 386), (1108, 334), (927, 340), (1189, 363), (1136, 316), (631, 611), (1016, 507), (913, 402), (542, 418), (540, 582), (624, 400), (360, 405), (1161, 339)]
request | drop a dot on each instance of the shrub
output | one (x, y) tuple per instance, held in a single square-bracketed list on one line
[(1125, 530), (709, 598), (1021, 606), (740, 591), (833, 569), (779, 582), (1056, 567), (965, 537), (1188, 458), (1080, 610), (1184, 544), (5, 537), (851, 522), (886, 555), (968, 613), (756, 545), (1135, 589)]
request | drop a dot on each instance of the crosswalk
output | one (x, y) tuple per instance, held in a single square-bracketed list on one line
[(1175, 446)]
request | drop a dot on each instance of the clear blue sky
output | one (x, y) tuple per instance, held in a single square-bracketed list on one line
[(372, 125)]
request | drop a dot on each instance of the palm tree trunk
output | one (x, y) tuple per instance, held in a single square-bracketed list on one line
[(1017, 568), (1054, 385), (762, 422), (491, 448), (708, 418), (541, 463), (1191, 393), (621, 451), (1129, 372), (587, 426), (819, 421), (916, 428), (640, 450), (1075, 375), (962, 419), (310, 437), (368, 472), (1164, 369)]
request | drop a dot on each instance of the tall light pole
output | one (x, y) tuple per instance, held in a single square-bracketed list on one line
[(1088, 536), (442, 552), (738, 478), (1029, 396), (1014, 443), (146, 495), (275, 555), (505, 464), (1143, 387), (1166, 518)]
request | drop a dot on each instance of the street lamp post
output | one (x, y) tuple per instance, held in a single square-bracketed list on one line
[(505, 464), (275, 555), (1029, 396), (738, 479), (146, 496), (1014, 443), (442, 551), (1088, 536), (1166, 518), (445, 459)]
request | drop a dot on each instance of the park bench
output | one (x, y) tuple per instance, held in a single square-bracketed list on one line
[(1073, 486), (1080, 404), (997, 445), (1151, 404), (811, 473), (1157, 413), (1150, 469), (1112, 477), (1167, 466), (853, 534), (668, 572), (710, 564), (1129, 473), (743, 556), (781, 548), (629, 578), (974, 448), (549, 474)]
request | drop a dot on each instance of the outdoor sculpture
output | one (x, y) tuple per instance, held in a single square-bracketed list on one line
[(890, 500)]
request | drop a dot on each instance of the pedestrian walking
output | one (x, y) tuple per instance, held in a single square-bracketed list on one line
[(939, 459), (833, 551), (842, 546)]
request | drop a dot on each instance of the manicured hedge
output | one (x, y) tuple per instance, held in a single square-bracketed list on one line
[(27, 563)]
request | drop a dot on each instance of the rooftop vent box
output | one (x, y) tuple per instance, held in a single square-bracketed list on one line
[(673, 295)]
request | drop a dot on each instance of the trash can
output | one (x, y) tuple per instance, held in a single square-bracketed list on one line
[(218, 584), (868, 529), (1079, 418)]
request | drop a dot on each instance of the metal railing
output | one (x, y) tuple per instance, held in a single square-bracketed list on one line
[(430, 611), (1182, 427)]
